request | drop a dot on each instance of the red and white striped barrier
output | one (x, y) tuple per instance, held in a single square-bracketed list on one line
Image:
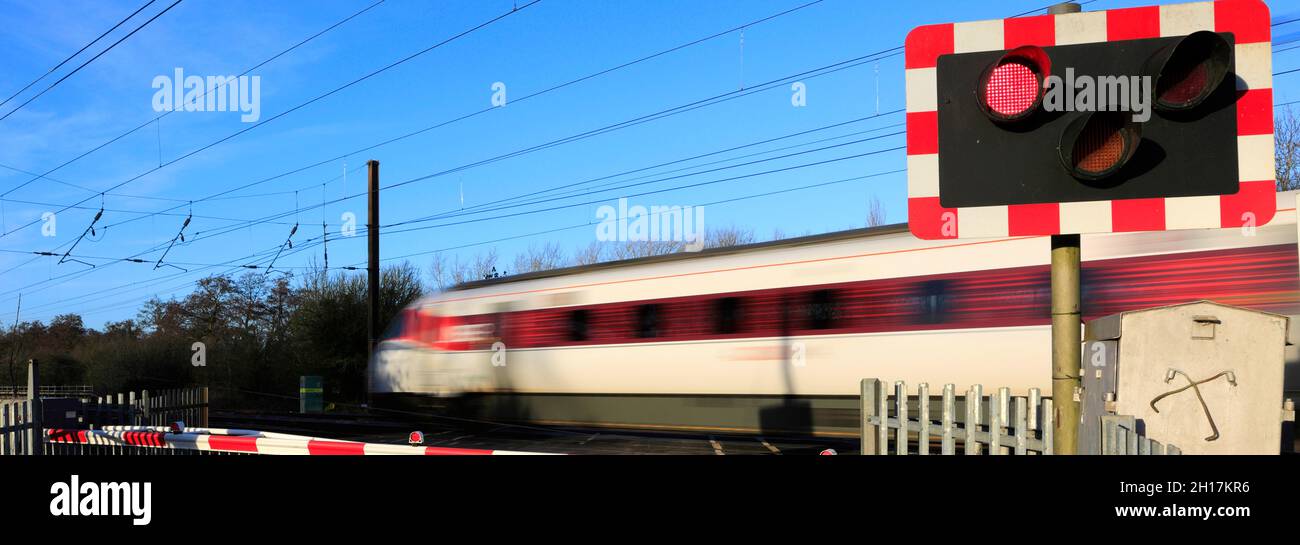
[(248, 442)]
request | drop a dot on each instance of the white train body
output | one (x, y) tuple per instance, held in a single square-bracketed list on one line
[(810, 317)]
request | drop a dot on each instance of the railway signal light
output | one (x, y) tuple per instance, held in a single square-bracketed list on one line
[(1012, 87), (416, 438), (1136, 119), (1188, 71), (1098, 144)]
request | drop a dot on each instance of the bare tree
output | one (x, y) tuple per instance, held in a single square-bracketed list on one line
[(443, 272), (1287, 150), (875, 213), (485, 266), (728, 236), (589, 255), (633, 249), (540, 258)]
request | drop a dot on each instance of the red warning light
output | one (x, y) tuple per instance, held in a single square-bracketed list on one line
[(1189, 71), (1013, 87), (416, 438)]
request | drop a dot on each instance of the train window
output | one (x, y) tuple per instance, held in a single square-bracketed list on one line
[(822, 309), (647, 321), (726, 315), (933, 301), (578, 325)]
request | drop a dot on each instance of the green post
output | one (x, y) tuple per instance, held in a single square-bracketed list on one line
[(310, 394)]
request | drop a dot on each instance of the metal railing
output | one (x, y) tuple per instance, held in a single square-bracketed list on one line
[(20, 429), (77, 391), (24, 423), (979, 427), (994, 424)]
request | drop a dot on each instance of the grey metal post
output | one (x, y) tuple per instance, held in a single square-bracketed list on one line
[(36, 432), (1066, 323), (868, 405)]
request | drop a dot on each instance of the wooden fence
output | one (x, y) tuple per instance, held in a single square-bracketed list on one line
[(994, 424)]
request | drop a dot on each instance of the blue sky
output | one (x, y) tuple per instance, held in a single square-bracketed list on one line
[(543, 45)]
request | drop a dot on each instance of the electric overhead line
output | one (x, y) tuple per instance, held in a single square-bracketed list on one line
[(79, 51), (92, 59), (134, 300), (670, 111), (514, 101), (205, 92), (300, 106), (691, 158), (180, 235), (675, 188), (894, 50), (323, 237), (252, 261), (646, 182), (134, 258), (128, 211), (716, 99), (714, 203)]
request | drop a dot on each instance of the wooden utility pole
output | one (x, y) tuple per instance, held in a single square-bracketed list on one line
[(372, 266), (1066, 324)]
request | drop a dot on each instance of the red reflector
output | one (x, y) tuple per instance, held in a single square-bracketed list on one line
[(1012, 88)]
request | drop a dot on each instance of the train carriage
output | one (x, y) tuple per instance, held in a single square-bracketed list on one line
[(774, 337)]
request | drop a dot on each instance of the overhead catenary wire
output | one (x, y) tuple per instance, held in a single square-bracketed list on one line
[(92, 59), (514, 101), (285, 214), (716, 99), (304, 104), (305, 247), (895, 48), (79, 51), (415, 229), (205, 92), (179, 235)]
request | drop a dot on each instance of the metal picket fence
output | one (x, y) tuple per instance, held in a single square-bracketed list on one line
[(995, 424), (19, 428), (1120, 436), (23, 423)]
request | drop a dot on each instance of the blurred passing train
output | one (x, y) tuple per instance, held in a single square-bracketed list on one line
[(774, 337)]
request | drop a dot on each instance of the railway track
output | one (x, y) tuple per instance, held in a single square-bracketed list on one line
[(504, 436)]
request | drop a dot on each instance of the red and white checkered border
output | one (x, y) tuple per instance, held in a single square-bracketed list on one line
[(249, 442), (1253, 204)]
